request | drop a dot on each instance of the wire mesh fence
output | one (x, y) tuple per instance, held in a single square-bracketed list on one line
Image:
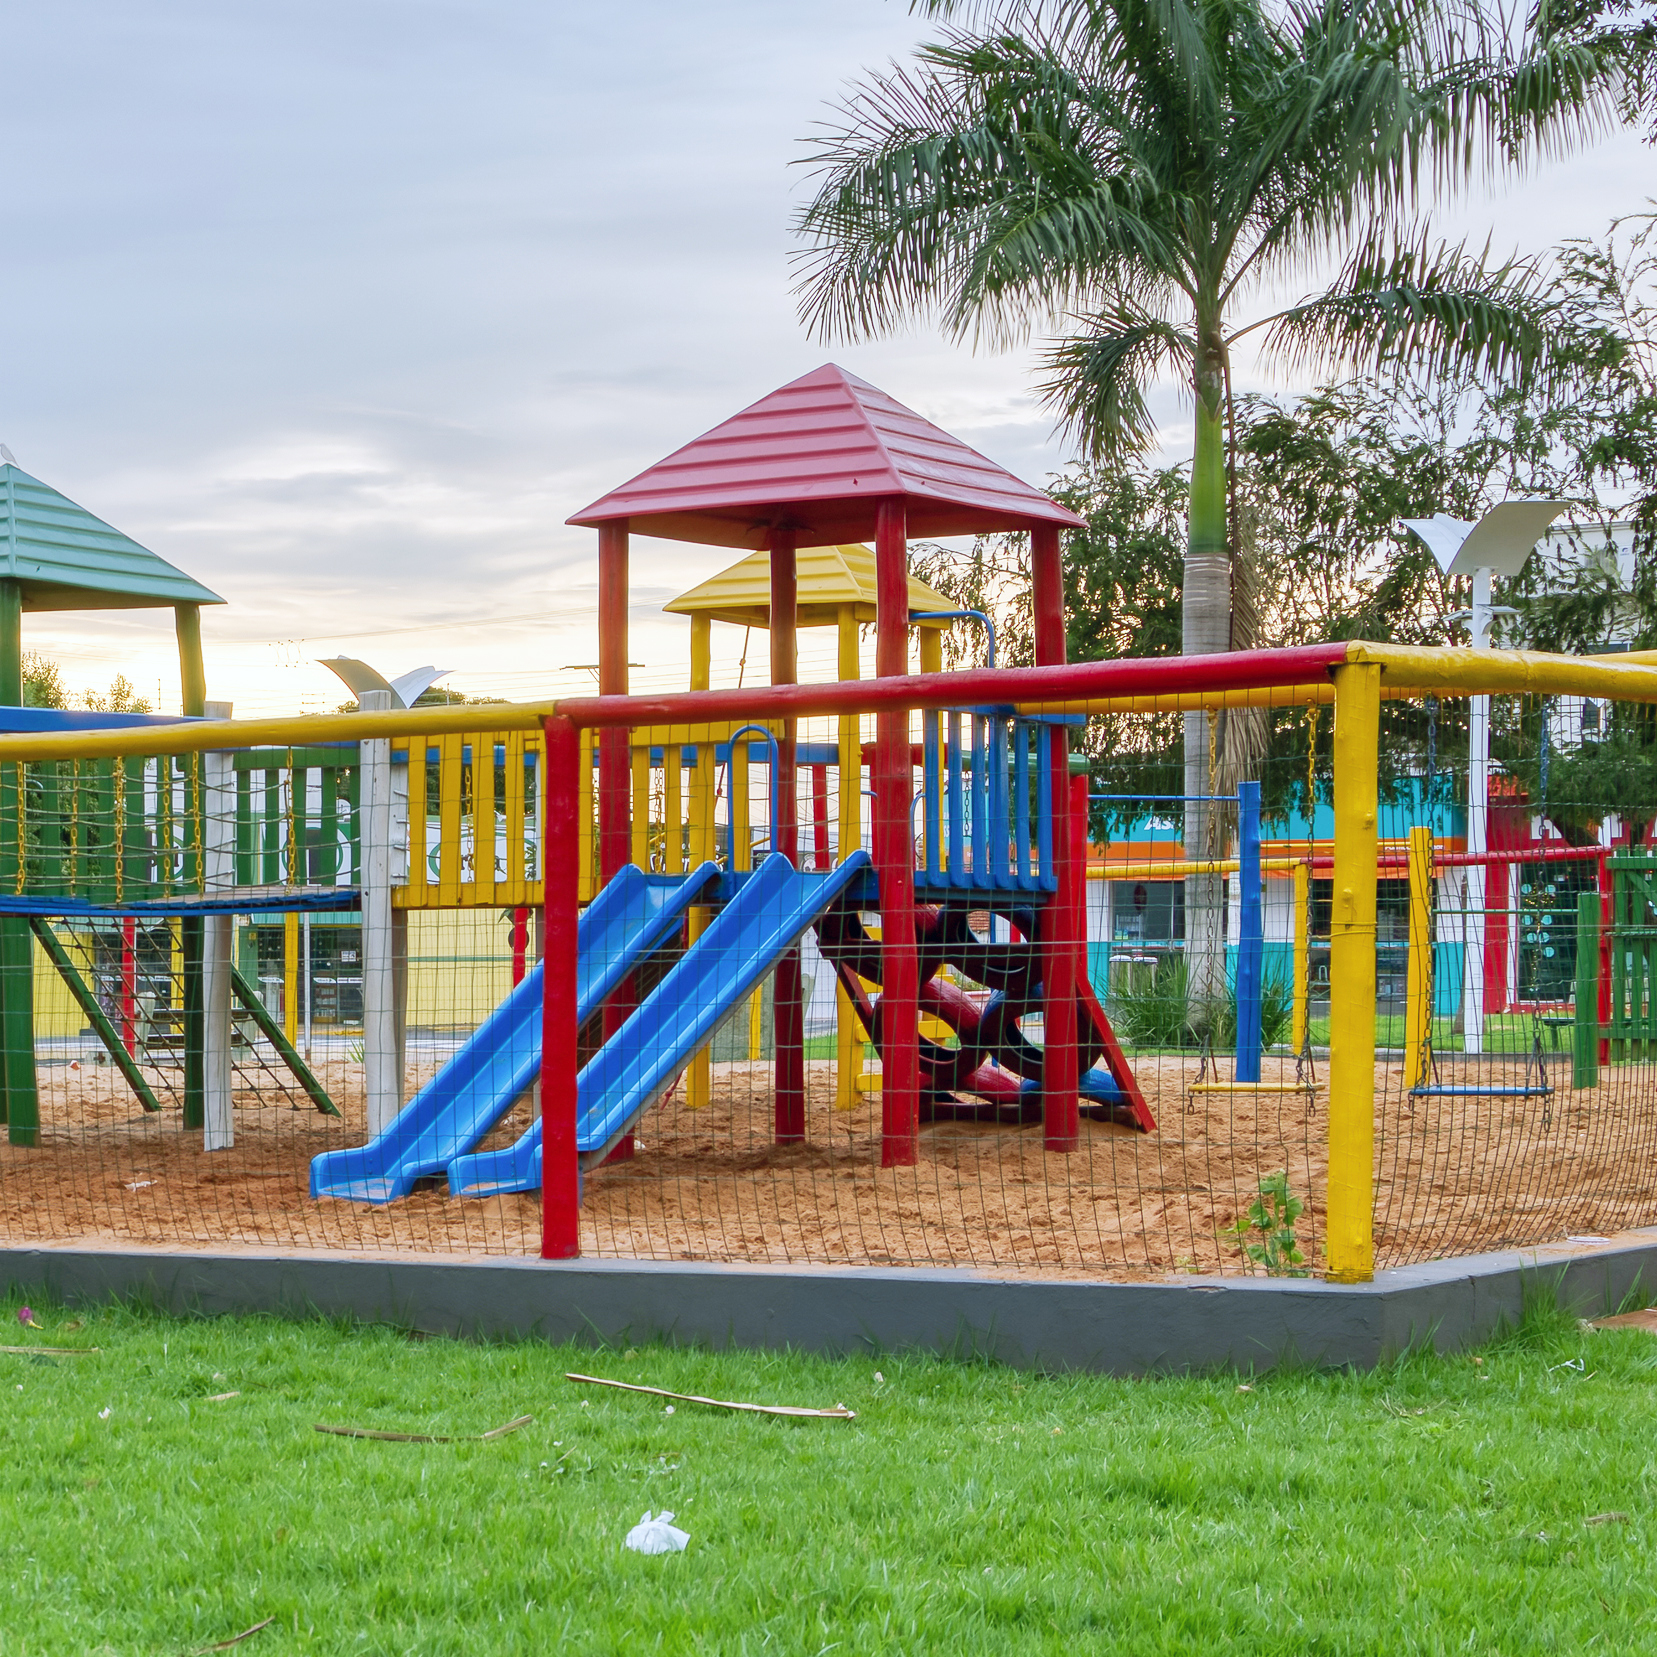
[(736, 1022)]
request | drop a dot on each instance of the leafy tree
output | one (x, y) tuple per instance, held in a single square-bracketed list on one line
[(42, 682), (1137, 172), (121, 697)]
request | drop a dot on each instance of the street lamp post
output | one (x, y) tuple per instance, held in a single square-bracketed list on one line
[(1497, 545)]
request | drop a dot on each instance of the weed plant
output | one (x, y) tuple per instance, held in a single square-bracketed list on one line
[(1156, 1011), (170, 1492)]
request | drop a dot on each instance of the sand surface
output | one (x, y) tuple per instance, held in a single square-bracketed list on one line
[(1455, 1175)]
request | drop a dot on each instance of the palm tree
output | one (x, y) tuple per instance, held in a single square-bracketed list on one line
[(1131, 173)]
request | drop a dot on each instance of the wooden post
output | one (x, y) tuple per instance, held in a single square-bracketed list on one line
[(787, 1012), (560, 1169), (848, 1036), (1060, 949), (617, 810), (19, 1096), (614, 805), (1350, 1237), (382, 1073), (1585, 1031), (894, 855), (192, 676), (218, 941), (699, 1074), (1418, 997), (290, 977)]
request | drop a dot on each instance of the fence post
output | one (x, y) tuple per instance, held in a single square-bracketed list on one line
[(561, 851), (218, 940), (1585, 1032), (1303, 957), (1251, 938), (1418, 1004), (382, 1075), (1350, 1237)]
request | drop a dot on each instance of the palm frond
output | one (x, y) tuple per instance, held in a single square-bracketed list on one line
[(981, 187), (1096, 378), (1436, 309)]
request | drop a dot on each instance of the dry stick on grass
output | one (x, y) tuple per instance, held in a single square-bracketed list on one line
[(430, 1438), (838, 1413), (235, 1639), (52, 1351)]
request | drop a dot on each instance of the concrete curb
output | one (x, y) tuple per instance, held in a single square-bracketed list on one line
[(1111, 1328)]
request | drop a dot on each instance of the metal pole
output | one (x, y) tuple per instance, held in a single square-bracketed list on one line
[(217, 939), (1251, 937), (1418, 1004), (382, 1083), (1478, 831), (615, 805)]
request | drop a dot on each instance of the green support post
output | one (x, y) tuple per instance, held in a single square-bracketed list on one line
[(21, 1099), (1585, 1032)]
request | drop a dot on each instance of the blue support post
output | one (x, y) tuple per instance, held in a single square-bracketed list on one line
[(1251, 936)]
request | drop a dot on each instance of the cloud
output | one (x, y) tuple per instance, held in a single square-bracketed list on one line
[(345, 307)]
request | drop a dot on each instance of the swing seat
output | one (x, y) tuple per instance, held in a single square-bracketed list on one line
[(1253, 1087), (1530, 1092)]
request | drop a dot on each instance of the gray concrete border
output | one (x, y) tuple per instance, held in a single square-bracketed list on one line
[(1180, 1324)]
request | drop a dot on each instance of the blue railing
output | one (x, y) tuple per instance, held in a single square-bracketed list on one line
[(987, 823)]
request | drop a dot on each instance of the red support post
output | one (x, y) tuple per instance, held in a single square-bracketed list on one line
[(894, 855), (788, 1010), (560, 1170), (822, 859), (129, 984), (1060, 944), (615, 804), (520, 945)]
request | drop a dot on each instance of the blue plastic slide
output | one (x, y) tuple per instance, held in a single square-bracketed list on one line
[(636, 1067), (633, 916)]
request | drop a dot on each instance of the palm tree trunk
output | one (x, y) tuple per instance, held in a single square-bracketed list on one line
[(1206, 613)]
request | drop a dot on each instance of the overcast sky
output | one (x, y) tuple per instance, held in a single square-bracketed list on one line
[(344, 307)]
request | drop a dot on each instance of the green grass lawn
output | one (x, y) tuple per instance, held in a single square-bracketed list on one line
[(1440, 1505)]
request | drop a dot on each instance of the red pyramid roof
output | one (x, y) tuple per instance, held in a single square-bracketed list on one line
[(819, 455)]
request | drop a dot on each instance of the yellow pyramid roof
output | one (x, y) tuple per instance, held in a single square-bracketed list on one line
[(825, 577)]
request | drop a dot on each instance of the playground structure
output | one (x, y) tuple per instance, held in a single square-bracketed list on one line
[(837, 971)]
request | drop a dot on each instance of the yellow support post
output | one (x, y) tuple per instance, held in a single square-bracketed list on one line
[(699, 1074), (1350, 1237), (848, 1037), (1303, 958), (673, 827), (587, 821), (290, 977), (1418, 1004), (640, 841), (450, 750)]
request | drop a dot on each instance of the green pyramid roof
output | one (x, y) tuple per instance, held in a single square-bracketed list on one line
[(68, 560)]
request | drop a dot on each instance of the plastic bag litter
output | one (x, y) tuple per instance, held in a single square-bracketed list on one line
[(657, 1535)]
